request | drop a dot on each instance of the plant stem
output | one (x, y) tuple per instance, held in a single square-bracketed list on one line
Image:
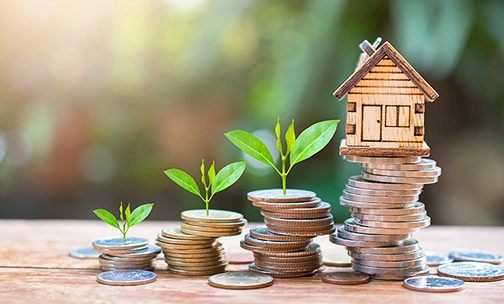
[(284, 175)]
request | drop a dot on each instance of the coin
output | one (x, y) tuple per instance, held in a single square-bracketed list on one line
[(334, 238), (367, 205), (387, 257), (399, 180), (287, 245), (420, 261), (281, 206), (262, 232), (351, 225), (475, 255), (84, 253), (300, 222), (342, 232), (425, 222), (281, 274), (119, 243), (386, 193), (418, 207), (472, 271), (379, 199), (393, 274), (321, 207), (359, 182), (359, 217), (297, 215), (175, 233), (345, 278), (240, 280), (435, 259), (126, 277), (408, 245), (424, 164), (434, 284), (435, 172), (337, 259), (383, 160), (276, 195), (213, 215)]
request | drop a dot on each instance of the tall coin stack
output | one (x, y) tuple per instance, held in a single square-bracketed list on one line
[(135, 253), (284, 247), (385, 212), (193, 249)]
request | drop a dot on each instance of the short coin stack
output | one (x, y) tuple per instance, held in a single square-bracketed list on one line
[(193, 248), (385, 212), (135, 253), (284, 247)]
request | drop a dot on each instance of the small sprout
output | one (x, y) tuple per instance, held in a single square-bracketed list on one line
[(128, 218), (215, 183), (309, 142)]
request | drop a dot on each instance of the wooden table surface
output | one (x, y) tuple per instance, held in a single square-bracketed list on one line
[(35, 267)]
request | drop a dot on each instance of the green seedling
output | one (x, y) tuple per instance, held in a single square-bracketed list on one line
[(309, 142), (215, 183), (128, 218)]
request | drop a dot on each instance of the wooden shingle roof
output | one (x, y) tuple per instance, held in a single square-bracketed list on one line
[(387, 50)]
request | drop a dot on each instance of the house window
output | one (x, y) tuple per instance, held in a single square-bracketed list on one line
[(419, 131), (419, 108), (351, 107), (397, 116)]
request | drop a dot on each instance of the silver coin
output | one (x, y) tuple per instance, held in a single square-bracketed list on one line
[(399, 180), (408, 245), (366, 205), (425, 222), (382, 193), (393, 274), (418, 207), (389, 218), (276, 195), (472, 271), (435, 172), (126, 277), (84, 253), (380, 199), (118, 243), (434, 284), (421, 262), (424, 164), (387, 257), (358, 244), (435, 259), (351, 225), (475, 255), (342, 232), (358, 182)]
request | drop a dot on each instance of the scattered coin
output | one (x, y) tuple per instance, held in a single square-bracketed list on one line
[(240, 280), (434, 284), (84, 253), (435, 259), (126, 277), (345, 278), (472, 271), (475, 255)]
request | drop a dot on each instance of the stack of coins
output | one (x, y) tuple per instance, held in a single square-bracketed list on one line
[(193, 249), (284, 247), (135, 253), (385, 212)]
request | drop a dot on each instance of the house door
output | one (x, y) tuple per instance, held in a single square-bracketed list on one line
[(371, 123)]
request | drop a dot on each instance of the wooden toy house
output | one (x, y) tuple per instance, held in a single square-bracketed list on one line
[(386, 106)]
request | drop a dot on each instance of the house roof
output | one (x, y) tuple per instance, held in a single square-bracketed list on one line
[(387, 49)]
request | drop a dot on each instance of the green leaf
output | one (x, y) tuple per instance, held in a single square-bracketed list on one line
[(202, 169), (140, 213), (228, 176), (121, 216), (211, 174), (312, 140), (251, 145), (107, 217), (278, 135), (184, 180), (128, 212), (290, 137)]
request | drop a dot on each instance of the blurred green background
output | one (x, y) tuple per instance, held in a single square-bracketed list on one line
[(97, 98)]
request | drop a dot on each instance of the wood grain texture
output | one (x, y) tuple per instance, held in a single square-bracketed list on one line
[(380, 149), (23, 280)]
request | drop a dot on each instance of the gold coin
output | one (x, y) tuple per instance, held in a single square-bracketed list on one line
[(280, 207), (218, 229), (240, 280), (173, 241), (210, 234)]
